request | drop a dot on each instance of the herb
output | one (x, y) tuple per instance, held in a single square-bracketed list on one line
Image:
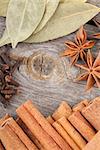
[(68, 18), (92, 68), (50, 9), (8, 86), (3, 7), (76, 50), (22, 24), (40, 20)]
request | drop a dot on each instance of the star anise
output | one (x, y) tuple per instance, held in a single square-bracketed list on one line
[(78, 48), (92, 71), (96, 35)]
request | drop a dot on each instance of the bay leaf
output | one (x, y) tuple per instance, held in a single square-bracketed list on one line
[(3, 7), (5, 39), (51, 7), (23, 16), (70, 0), (67, 19)]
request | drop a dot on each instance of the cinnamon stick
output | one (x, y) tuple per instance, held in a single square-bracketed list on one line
[(81, 124), (10, 140), (81, 105), (46, 125), (63, 110), (50, 120), (29, 133), (4, 118), (1, 146), (72, 132), (92, 113), (94, 144), (19, 132), (46, 141), (65, 135)]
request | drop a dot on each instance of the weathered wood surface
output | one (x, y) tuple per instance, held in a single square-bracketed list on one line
[(46, 78)]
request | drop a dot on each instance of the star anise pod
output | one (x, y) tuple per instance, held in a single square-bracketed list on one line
[(96, 35), (78, 48), (92, 71)]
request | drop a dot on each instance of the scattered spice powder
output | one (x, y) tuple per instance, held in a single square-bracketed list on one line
[(78, 48), (92, 68), (8, 86)]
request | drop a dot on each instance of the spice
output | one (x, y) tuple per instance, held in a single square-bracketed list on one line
[(77, 49), (94, 144), (10, 139), (23, 26), (19, 132), (45, 125), (45, 140), (96, 35), (81, 105), (8, 86), (29, 133), (91, 112), (1, 146), (50, 120), (92, 68), (81, 124), (33, 131), (74, 134), (63, 110), (65, 135)]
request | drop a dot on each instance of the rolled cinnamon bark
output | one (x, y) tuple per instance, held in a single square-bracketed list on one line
[(4, 118), (10, 140), (50, 120), (72, 132), (63, 110), (29, 133), (1, 146), (19, 132), (65, 135), (80, 106), (46, 125), (81, 124), (46, 141), (94, 144), (92, 113)]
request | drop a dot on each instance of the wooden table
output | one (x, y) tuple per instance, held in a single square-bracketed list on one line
[(45, 77)]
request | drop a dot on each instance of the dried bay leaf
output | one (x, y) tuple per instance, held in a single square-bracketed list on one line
[(70, 0), (5, 39), (51, 7), (67, 19), (23, 16), (3, 7)]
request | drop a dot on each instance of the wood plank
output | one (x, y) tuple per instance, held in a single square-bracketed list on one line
[(51, 79)]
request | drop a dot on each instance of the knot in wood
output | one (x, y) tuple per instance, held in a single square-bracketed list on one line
[(40, 65)]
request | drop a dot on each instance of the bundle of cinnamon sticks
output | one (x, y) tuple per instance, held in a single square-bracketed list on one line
[(76, 128)]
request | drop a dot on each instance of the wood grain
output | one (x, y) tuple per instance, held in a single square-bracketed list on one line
[(46, 78)]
